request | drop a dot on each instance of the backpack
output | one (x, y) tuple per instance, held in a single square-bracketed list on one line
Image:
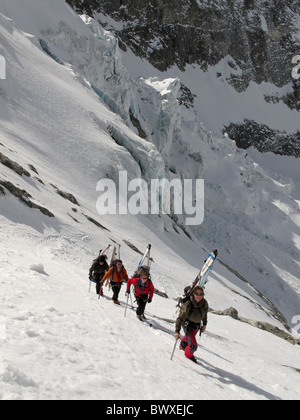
[(187, 294), (143, 268)]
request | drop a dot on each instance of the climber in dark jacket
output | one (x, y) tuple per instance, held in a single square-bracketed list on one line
[(192, 315), (98, 271)]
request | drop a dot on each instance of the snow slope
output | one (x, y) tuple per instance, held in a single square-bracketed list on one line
[(63, 343), (57, 340)]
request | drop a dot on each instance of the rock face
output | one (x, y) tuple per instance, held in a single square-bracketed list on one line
[(260, 36), (264, 138), (233, 313)]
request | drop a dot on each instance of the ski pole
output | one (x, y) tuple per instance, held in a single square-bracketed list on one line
[(201, 331), (104, 252), (174, 350), (126, 306), (91, 278), (131, 301), (100, 292)]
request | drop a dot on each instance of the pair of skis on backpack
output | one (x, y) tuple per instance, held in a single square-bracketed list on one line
[(200, 280)]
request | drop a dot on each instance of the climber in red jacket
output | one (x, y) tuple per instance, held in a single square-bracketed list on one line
[(144, 291)]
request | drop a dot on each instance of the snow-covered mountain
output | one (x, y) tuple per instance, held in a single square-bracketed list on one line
[(75, 110)]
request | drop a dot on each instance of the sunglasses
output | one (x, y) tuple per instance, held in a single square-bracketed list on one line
[(199, 294)]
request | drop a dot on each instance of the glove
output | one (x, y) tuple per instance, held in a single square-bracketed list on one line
[(127, 293), (149, 300)]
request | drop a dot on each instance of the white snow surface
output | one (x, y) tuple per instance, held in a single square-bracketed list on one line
[(57, 340)]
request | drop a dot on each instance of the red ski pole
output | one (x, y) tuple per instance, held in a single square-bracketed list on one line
[(100, 291)]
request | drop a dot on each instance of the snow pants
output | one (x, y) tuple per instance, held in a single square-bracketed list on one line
[(116, 288), (142, 302), (189, 343)]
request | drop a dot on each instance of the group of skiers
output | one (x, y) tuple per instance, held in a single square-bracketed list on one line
[(116, 276), (193, 313)]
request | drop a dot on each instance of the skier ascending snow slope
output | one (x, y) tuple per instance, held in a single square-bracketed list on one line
[(97, 272), (144, 291), (192, 314), (117, 275)]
